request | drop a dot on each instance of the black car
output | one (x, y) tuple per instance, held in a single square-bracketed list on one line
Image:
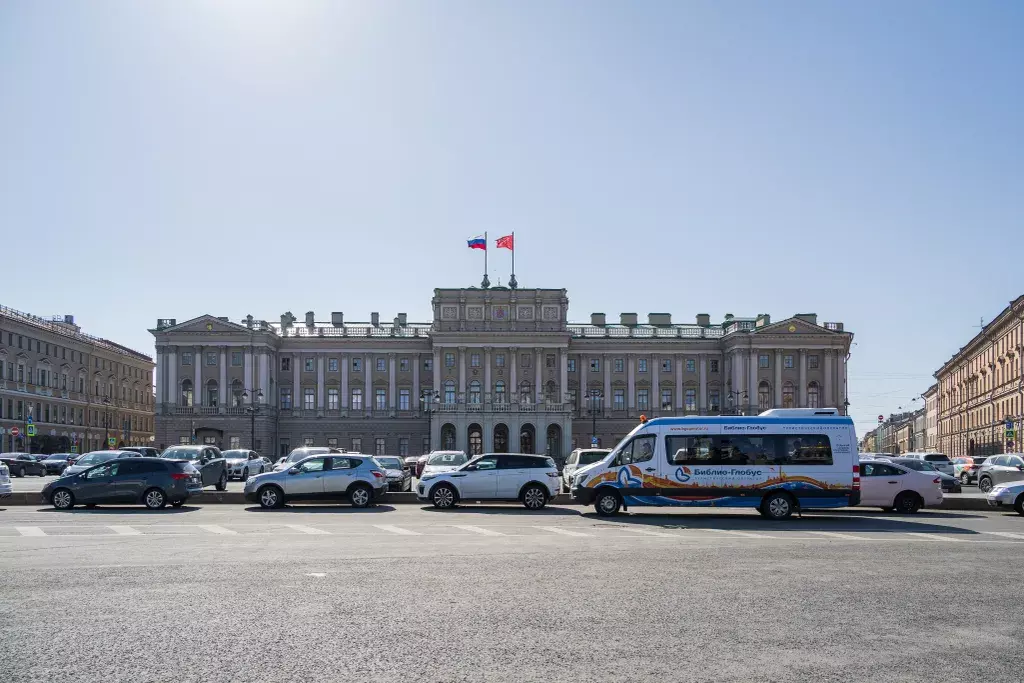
[(949, 483), (144, 451), (207, 459), (23, 464), (154, 482), (56, 463)]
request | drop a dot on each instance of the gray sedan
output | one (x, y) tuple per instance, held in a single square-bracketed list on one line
[(96, 458)]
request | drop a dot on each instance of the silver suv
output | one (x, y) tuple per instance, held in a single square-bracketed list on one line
[(1000, 469), (357, 479)]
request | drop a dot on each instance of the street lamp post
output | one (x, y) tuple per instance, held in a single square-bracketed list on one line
[(106, 421), (28, 439), (733, 395), (254, 407), (595, 401), (427, 399)]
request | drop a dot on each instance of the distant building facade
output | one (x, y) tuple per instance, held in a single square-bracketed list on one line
[(495, 370), (79, 390)]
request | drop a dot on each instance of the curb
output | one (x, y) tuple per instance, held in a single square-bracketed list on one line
[(238, 498)]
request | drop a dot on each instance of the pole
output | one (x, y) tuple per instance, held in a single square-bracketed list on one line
[(593, 415), (512, 284), (252, 428)]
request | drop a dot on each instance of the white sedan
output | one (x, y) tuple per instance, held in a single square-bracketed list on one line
[(1008, 494), (892, 487)]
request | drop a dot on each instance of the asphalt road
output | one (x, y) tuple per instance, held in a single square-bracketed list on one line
[(232, 593)]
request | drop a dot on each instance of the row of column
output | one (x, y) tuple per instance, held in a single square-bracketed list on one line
[(742, 372), (654, 370), (512, 357), (168, 381)]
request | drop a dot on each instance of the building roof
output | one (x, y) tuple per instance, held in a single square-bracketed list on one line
[(59, 326)]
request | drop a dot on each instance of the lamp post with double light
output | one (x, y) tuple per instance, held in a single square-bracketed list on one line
[(595, 396), (428, 399), (732, 397), (252, 409), (106, 422)]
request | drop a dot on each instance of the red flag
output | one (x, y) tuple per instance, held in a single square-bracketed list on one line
[(506, 243)]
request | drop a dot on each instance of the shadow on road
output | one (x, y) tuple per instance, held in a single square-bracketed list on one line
[(507, 510), (342, 508), (119, 510)]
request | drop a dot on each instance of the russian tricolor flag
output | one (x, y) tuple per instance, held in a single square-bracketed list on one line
[(477, 242)]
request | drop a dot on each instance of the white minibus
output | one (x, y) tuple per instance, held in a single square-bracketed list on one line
[(778, 462)]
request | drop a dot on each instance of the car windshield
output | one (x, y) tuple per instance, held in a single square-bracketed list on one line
[(96, 458), (590, 457), (980, 461), (936, 457), (58, 456), (389, 463), (235, 455), (300, 453), (181, 454), (919, 465), (448, 459)]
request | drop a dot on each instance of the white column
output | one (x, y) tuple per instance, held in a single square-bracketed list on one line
[(842, 391), (830, 400), (703, 360), (538, 389), (679, 383), (264, 370), (369, 400), (778, 378), (222, 387), (514, 389), (563, 379), (197, 386), (320, 383), (437, 370), (159, 383), (753, 382), (462, 373), (655, 384), (584, 391), (392, 381), (488, 389), (630, 382), (803, 378), (296, 382), (173, 390), (609, 399), (344, 360), (415, 398)]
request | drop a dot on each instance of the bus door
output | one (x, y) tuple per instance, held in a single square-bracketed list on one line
[(639, 467)]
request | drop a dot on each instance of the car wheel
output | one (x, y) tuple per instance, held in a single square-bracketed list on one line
[(62, 499), (177, 503), (271, 497), (1018, 504), (21, 471), (361, 496), (154, 499), (222, 483), (42, 473), (965, 478), (534, 497), (985, 484), (443, 497), (245, 474), (607, 503), (778, 506), (908, 503)]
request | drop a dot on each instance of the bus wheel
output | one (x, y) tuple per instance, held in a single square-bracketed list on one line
[(607, 502), (778, 506)]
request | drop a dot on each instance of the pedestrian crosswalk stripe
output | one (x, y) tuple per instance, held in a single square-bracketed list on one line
[(30, 531), (307, 530), (935, 537), (563, 532), (124, 530), (645, 532), (836, 534), (744, 534), (478, 530), (1006, 534), (390, 528), (214, 529)]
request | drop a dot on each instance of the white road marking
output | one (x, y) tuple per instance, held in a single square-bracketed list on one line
[(390, 528), (836, 534), (317, 575), (563, 532), (477, 530), (1006, 534), (744, 534), (30, 531), (124, 530), (935, 537), (645, 532), (307, 529), (214, 529)]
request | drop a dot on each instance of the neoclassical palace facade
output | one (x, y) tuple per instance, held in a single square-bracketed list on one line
[(497, 369)]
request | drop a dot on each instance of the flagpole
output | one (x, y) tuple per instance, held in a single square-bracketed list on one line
[(486, 282), (512, 280)]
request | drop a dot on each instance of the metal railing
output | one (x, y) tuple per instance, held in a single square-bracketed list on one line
[(646, 331)]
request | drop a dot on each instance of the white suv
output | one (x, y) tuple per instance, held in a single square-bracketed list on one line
[(581, 457), (530, 479)]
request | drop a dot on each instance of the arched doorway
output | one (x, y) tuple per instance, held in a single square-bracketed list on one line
[(448, 437), (527, 438), (500, 438), (476, 439), (554, 442)]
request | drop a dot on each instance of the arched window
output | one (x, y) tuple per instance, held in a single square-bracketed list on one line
[(500, 438), (449, 391), (812, 395), (554, 447), (526, 438), (236, 393), (524, 391), (787, 395), (499, 397), (186, 392), (474, 392), (448, 437), (476, 440), (211, 392), (551, 392), (764, 396)]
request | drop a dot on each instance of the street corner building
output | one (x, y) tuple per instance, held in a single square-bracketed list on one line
[(496, 370), (77, 391)]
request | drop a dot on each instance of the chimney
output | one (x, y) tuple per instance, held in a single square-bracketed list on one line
[(659, 319), (628, 319), (811, 318), (310, 319), (69, 320), (597, 319), (338, 319), (703, 319), (403, 319), (762, 320), (375, 319)]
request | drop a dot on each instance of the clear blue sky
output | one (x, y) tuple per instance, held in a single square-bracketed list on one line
[(860, 160)]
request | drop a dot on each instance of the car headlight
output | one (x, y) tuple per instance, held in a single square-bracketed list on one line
[(578, 481), (427, 477)]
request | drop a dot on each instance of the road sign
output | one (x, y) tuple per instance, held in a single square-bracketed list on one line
[(15, 431), (29, 420), (881, 419), (30, 430), (112, 441), (593, 441), (74, 449)]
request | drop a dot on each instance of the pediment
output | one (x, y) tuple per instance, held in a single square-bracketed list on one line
[(205, 324), (793, 326)]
